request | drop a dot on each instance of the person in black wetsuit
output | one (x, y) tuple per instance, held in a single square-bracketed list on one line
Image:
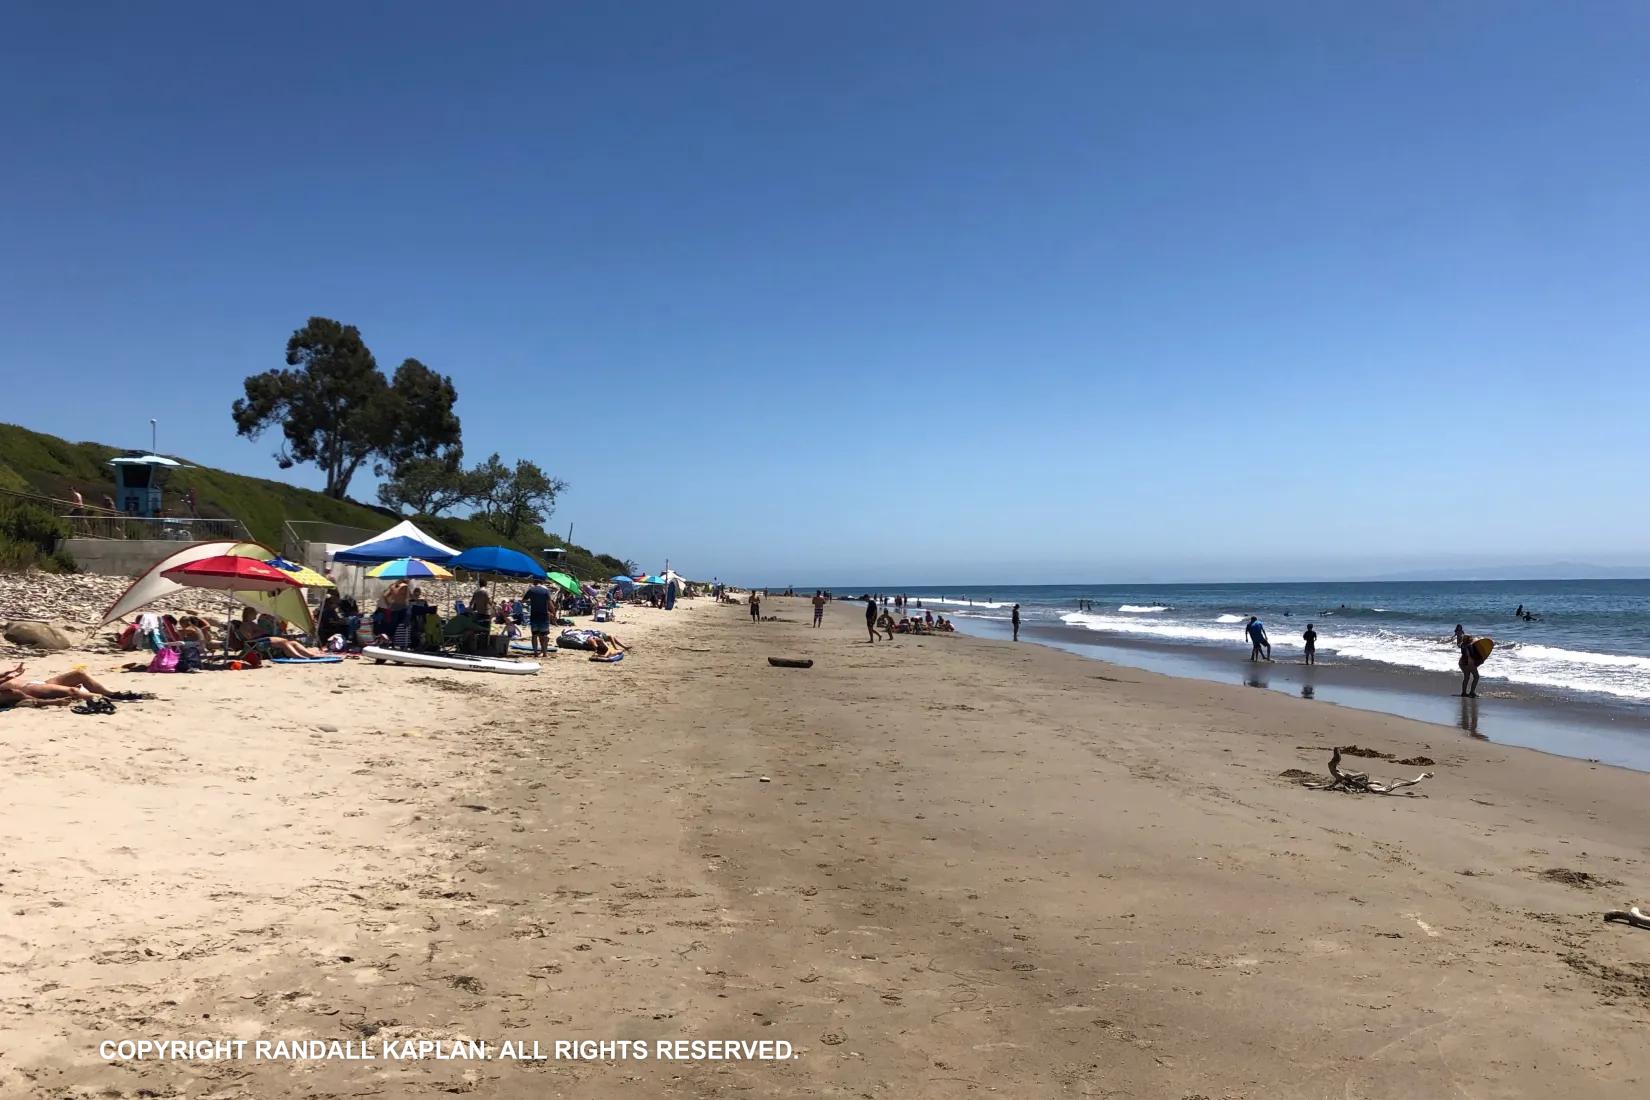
[(871, 618), (1016, 620)]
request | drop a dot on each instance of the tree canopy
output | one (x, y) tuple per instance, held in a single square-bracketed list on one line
[(516, 498), (337, 410)]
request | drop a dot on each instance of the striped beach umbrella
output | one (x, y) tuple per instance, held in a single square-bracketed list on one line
[(408, 568)]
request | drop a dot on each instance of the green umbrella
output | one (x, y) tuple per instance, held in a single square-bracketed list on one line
[(566, 582)]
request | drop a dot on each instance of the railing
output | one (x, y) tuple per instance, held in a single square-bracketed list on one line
[(103, 524), (297, 534)]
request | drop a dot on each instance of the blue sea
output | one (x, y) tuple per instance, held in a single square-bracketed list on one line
[(1590, 640)]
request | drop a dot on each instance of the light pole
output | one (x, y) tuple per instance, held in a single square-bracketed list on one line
[(151, 435)]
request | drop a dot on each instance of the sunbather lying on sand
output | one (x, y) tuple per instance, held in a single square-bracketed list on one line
[(53, 691), (250, 630)]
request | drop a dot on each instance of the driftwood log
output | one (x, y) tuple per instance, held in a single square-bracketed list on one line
[(791, 662), (1632, 915), (1359, 782)]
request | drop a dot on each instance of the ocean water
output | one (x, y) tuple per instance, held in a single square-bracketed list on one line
[(1590, 641)]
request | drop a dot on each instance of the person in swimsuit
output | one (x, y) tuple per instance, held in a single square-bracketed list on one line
[(871, 617), (756, 606), (819, 606), (1311, 639), (53, 691), (1468, 664)]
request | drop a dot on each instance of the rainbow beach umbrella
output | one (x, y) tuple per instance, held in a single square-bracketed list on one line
[(406, 568)]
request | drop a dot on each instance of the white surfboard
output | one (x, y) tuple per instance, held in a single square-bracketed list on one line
[(450, 660)]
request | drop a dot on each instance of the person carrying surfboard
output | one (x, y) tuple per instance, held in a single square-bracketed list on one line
[(1473, 653)]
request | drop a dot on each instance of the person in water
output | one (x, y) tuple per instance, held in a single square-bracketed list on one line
[(1468, 664), (1311, 640), (1259, 645), (1015, 618)]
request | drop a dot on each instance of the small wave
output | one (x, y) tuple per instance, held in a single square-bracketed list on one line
[(958, 603), (1136, 609), (1232, 619)]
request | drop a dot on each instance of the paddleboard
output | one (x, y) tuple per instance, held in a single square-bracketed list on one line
[(1481, 649), (306, 660), (450, 660)]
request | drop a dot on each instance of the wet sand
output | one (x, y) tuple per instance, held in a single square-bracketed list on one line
[(974, 866)]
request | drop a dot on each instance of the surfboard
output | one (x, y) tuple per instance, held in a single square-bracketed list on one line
[(1481, 649), (330, 660), (450, 660)]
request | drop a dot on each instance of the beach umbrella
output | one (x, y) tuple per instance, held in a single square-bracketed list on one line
[(562, 580), (286, 602), (303, 574), (404, 568), (404, 540), (230, 574), (622, 579), (499, 561)]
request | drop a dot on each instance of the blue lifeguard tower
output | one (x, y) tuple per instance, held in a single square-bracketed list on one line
[(139, 479)]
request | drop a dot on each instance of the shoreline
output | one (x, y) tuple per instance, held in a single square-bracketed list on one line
[(933, 866), (1588, 730)]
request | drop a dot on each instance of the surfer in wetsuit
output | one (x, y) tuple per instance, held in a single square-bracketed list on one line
[(1469, 663), (871, 618), (1016, 619)]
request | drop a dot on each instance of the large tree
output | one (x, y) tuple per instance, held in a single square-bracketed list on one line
[(337, 410), (516, 498), (431, 486)]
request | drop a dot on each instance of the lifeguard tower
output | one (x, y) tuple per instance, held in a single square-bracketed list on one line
[(139, 479)]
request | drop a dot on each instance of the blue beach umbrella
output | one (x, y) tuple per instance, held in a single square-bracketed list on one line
[(622, 579), (498, 560)]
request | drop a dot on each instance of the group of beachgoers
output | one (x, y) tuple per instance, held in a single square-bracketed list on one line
[(1473, 654), (879, 617)]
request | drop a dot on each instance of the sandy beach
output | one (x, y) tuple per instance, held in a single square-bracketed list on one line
[(936, 867)]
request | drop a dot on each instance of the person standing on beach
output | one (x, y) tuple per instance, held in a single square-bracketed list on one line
[(1259, 644), (871, 618), (756, 606), (538, 617), (1468, 664), (819, 606), (1015, 619), (1311, 639)]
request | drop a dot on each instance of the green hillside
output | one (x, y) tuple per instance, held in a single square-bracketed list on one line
[(32, 462)]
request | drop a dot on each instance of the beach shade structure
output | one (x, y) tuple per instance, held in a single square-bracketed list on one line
[(404, 540), (498, 561), (303, 574), (284, 602), (227, 573), (409, 568), (562, 580), (622, 579)]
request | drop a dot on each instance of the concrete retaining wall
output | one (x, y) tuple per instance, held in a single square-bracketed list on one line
[(119, 557)]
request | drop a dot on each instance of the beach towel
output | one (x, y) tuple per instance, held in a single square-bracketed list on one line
[(306, 660)]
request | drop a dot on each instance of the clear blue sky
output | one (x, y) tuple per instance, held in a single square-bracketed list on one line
[(933, 292)]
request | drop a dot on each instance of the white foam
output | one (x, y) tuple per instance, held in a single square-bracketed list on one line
[(1134, 609), (1621, 676), (958, 603)]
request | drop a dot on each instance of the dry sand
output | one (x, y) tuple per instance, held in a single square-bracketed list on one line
[(977, 867)]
